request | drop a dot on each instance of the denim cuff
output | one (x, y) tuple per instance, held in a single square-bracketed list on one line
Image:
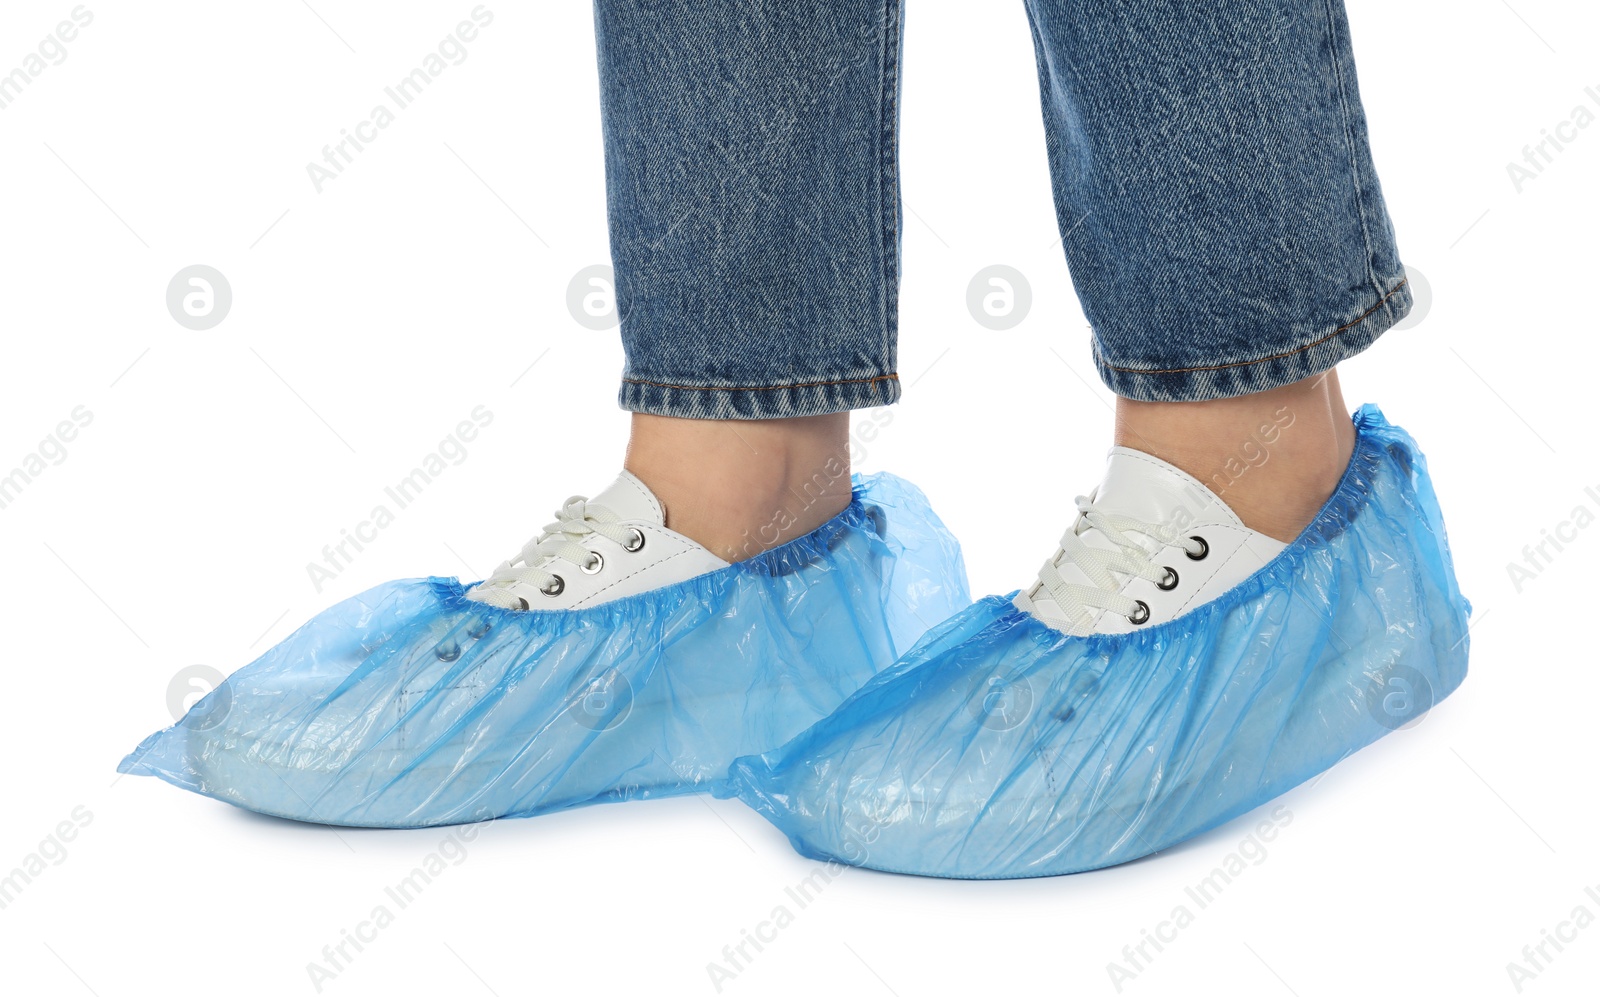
[(783, 401), (1229, 380)]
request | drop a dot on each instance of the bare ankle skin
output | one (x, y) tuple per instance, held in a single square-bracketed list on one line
[(1274, 456), (743, 487)]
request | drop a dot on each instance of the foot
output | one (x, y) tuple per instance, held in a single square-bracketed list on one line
[(1197, 497), (696, 495), (1114, 710), (641, 667)]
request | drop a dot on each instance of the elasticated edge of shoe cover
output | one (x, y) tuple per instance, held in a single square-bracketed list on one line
[(410, 705), (1000, 748)]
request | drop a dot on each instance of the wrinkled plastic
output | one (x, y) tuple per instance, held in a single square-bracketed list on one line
[(1000, 748), (410, 705)]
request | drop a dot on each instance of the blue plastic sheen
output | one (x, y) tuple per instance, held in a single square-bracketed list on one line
[(1000, 748), (410, 705)]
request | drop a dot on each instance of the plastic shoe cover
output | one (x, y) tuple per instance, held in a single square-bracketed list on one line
[(999, 747), (410, 705)]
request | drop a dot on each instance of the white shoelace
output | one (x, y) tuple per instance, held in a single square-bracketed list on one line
[(560, 541), (1076, 604)]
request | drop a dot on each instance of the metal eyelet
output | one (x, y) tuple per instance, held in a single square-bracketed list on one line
[(1140, 615), (523, 601), (480, 628), (1205, 549), (635, 541), (555, 588), (1169, 581), (448, 651), (593, 567)]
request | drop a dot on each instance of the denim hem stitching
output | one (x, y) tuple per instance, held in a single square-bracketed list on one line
[(1337, 46), (1276, 356), (773, 387), (889, 174)]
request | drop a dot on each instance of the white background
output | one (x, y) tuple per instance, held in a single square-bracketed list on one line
[(369, 319)]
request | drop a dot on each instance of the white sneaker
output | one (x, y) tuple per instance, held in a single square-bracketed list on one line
[(1150, 544), (613, 545)]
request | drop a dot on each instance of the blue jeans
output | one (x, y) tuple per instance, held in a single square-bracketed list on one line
[(1213, 185)]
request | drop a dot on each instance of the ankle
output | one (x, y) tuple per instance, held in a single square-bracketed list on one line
[(743, 487), (1274, 456)]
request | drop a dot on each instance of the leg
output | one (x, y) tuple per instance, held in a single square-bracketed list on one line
[(755, 231), (1273, 456), (754, 212), (1225, 230), (1258, 586), (738, 487)]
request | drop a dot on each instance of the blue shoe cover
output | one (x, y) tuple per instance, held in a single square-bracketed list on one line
[(410, 705), (1001, 748)]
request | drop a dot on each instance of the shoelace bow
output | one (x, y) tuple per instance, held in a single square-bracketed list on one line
[(1076, 603), (559, 541)]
